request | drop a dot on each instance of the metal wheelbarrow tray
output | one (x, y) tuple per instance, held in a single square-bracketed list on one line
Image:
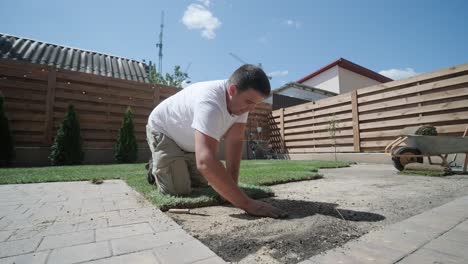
[(417, 147)]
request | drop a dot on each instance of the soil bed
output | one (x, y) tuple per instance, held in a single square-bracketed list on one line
[(323, 214)]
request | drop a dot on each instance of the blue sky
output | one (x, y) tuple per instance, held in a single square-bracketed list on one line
[(290, 38)]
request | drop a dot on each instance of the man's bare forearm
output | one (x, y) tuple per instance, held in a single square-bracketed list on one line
[(233, 155), (215, 173), (233, 149)]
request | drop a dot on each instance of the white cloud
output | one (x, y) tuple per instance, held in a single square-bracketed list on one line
[(199, 17), (278, 73), (205, 2), (293, 23), (397, 74)]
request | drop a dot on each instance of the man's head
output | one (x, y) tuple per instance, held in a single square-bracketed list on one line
[(247, 87)]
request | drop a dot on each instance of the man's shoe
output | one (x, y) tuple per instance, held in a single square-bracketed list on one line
[(150, 176)]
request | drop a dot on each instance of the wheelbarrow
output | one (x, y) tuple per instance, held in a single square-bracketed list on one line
[(417, 147)]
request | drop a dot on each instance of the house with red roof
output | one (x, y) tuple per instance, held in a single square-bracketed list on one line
[(340, 76)]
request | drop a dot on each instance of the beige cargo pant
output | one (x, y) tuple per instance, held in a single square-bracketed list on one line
[(175, 170)]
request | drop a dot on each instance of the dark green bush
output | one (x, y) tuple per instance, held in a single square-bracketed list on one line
[(126, 148), (67, 147), (7, 150)]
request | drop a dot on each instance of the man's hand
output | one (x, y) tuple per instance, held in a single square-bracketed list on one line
[(259, 208)]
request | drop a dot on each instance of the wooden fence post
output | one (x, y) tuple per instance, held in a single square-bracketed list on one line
[(50, 101), (156, 94), (108, 121), (355, 110), (283, 146)]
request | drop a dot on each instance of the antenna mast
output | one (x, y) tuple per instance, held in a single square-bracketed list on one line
[(160, 44)]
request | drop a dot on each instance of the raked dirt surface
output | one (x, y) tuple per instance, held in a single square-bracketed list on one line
[(323, 214)]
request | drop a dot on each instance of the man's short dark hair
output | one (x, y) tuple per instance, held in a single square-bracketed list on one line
[(249, 76)]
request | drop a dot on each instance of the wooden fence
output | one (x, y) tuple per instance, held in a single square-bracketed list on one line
[(36, 100), (370, 118), (37, 96)]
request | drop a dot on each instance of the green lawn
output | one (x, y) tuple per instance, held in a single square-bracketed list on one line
[(253, 174), (271, 172)]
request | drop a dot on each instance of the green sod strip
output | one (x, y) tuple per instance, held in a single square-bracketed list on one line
[(253, 173)]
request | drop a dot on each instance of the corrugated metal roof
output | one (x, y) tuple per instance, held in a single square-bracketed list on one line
[(17, 48)]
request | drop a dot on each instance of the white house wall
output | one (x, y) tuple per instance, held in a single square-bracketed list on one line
[(350, 81), (327, 80)]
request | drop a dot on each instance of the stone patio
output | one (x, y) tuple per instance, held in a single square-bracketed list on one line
[(80, 222)]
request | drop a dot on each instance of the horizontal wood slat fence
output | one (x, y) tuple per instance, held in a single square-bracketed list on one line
[(37, 97), (370, 118)]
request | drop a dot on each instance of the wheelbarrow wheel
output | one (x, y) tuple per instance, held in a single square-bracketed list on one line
[(400, 162)]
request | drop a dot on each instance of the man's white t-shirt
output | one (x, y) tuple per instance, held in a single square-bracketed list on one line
[(200, 106)]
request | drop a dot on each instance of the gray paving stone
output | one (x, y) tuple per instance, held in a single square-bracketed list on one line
[(462, 226), (32, 258), (161, 225), (4, 235), (92, 208), (110, 205), (404, 237), (129, 204), (24, 208), (429, 256), (60, 228), (4, 223), (143, 212), (30, 232), (449, 247), (212, 260), (80, 253), (143, 257), (25, 201), (148, 241), (439, 235), (18, 247), (61, 222), (88, 225), (373, 252), (68, 239), (8, 209), (435, 220), (87, 217), (21, 223), (409, 227), (137, 215), (92, 201), (461, 201), (332, 256), (43, 230), (118, 220), (72, 207), (457, 234), (115, 232), (193, 250)]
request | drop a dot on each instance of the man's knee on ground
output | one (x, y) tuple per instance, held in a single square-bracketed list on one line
[(174, 179)]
